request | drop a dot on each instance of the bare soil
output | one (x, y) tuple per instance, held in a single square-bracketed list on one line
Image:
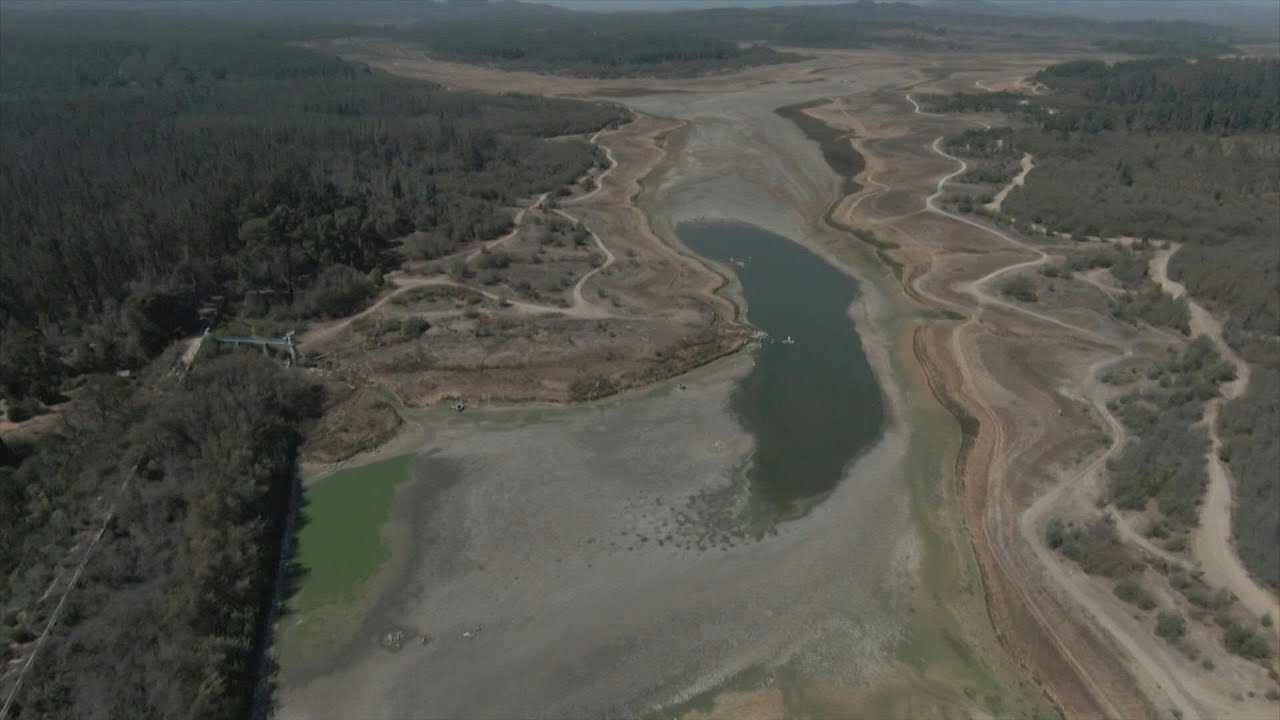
[(541, 314), (1035, 446)]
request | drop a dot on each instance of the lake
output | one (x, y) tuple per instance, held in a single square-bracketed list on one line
[(811, 401)]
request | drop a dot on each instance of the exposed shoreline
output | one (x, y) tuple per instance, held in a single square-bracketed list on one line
[(920, 551)]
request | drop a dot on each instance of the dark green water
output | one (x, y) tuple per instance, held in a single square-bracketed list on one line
[(814, 405)]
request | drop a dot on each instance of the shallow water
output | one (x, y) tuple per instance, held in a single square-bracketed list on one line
[(813, 405)]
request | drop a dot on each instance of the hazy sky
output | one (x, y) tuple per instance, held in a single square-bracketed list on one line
[(620, 5), (1213, 11)]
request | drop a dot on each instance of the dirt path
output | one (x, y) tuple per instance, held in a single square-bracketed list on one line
[(1211, 543), (1000, 453), (608, 153), (1017, 181), (517, 224), (1187, 691), (581, 306), (1163, 673), (325, 332), (1181, 689), (192, 349), (976, 287)]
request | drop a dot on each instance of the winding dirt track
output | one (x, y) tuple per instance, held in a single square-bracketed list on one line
[(1175, 682), (581, 307), (1009, 563), (516, 223), (1211, 544)]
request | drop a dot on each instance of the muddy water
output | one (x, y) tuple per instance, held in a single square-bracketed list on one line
[(811, 400)]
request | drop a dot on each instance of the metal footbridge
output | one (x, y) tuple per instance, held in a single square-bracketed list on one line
[(288, 342)]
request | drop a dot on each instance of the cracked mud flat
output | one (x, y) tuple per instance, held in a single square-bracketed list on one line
[(573, 545)]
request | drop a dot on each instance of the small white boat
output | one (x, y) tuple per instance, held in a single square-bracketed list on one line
[(788, 341)]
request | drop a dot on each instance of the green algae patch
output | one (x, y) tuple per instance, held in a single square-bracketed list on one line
[(342, 547)]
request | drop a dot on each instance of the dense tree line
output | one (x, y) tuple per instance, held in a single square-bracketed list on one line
[(167, 620), (150, 168), (144, 172), (1249, 426), (723, 39), (1169, 44), (1199, 172), (836, 148), (576, 50), (1210, 95), (1166, 94)]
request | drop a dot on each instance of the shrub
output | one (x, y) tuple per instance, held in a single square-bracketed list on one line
[(591, 387), (1242, 641), (1202, 596), (1132, 592), (1130, 269), (460, 270), (1093, 546), (23, 408), (1171, 626), (339, 290), (495, 259), (412, 327), (1020, 288)]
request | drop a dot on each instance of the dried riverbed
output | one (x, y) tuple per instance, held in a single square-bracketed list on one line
[(570, 563)]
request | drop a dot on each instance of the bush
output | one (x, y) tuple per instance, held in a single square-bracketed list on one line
[(1202, 596), (1154, 307), (339, 291), (412, 327), (1020, 288), (1092, 260), (1242, 641), (23, 408), (495, 259), (1130, 269), (1094, 546), (1133, 593), (1171, 626), (591, 387)]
